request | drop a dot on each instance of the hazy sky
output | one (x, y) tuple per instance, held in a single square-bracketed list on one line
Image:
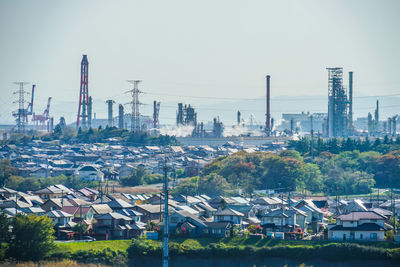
[(216, 48)]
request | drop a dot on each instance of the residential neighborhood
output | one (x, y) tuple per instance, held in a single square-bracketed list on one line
[(125, 216)]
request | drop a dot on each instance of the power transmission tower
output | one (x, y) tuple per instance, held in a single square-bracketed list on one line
[(83, 94), (20, 114), (135, 120)]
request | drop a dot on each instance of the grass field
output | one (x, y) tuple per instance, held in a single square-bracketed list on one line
[(115, 245), (63, 263)]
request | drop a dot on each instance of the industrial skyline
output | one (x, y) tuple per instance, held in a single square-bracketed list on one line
[(207, 63)]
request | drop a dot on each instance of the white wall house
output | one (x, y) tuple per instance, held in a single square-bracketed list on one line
[(358, 225), (89, 172)]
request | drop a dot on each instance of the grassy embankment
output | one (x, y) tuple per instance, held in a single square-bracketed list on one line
[(117, 252), (115, 245)]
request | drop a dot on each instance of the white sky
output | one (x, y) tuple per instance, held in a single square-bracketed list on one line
[(198, 48)]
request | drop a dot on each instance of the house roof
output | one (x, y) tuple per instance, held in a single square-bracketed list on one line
[(129, 212), (361, 215), (383, 212), (229, 212), (113, 215), (57, 214), (362, 227), (217, 225), (118, 203), (101, 208), (76, 210)]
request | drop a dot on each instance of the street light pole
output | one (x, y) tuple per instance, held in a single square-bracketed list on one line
[(165, 249)]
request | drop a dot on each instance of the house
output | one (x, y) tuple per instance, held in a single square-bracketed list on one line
[(60, 219), (229, 215), (55, 204), (150, 212), (100, 209), (79, 213), (283, 220), (314, 217), (53, 191), (7, 192), (219, 229), (89, 172), (114, 225), (358, 225), (126, 170)]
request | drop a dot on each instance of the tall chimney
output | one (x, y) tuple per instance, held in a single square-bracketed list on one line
[(238, 117), (268, 118), (110, 112), (350, 101), (120, 116)]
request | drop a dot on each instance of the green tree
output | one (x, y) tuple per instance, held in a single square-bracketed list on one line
[(6, 170), (291, 154), (135, 179), (33, 237), (313, 178), (4, 228), (213, 185), (187, 186)]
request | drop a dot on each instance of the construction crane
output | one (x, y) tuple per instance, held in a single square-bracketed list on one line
[(42, 119), (29, 109)]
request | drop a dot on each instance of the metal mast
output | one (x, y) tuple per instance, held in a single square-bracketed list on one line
[(350, 126), (135, 120), (20, 114), (268, 114), (83, 94), (166, 223)]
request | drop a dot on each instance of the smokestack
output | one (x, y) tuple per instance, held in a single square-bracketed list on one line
[(154, 114), (394, 121), (120, 116), (350, 101), (90, 108), (268, 118), (110, 112), (377, 117), (238, 117)]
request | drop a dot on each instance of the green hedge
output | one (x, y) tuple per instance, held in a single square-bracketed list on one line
[(105, 256), (332, 251)]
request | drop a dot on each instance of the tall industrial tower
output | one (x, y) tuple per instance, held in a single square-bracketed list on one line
[(121, 116), (156, 113), (20, 114), (337, 104), (268, 108), (135, 120), (110, 112), (350, 120), (83, 94)]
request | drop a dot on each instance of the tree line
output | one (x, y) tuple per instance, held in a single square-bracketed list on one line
[(348, 172), (337, 145)]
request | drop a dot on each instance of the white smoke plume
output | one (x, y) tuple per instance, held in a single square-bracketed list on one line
[(181, 131), (240, 130)]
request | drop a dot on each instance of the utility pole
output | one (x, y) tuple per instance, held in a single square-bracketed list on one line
[(165, 249), (312, 139)]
